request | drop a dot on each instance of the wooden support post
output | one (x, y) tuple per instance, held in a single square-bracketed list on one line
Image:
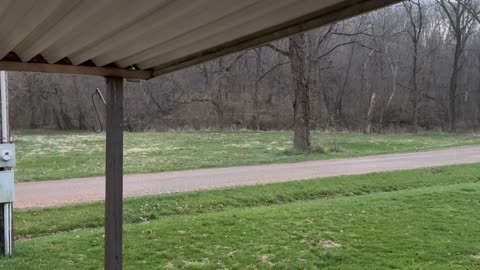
[(114, 174)]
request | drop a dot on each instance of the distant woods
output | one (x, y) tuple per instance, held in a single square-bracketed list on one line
[(413, 66)]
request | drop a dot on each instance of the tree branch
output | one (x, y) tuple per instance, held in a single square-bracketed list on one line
[(278, 50), (270, 71)]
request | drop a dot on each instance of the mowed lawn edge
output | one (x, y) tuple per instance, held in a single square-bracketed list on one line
[(62, 155), (435, 227), (33, 223)]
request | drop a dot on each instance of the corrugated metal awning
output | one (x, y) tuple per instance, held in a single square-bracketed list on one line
[(147, 38)]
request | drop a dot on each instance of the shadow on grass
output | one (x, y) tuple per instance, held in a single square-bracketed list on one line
[(335, 148)]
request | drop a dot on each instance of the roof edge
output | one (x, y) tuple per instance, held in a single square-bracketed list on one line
[(78, 70)]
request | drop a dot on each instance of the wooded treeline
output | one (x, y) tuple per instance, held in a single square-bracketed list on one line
[(412, 66)]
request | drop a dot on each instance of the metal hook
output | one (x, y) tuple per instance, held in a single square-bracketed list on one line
[(98, 93)]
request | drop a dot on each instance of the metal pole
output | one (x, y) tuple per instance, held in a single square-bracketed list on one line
[(7, 206), (114, 174), (3, 97), (7, 229)]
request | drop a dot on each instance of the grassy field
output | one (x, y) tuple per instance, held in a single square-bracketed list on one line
[(48, 155), (421, 219)]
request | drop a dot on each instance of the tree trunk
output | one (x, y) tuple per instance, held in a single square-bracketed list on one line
[(477, 111), (415, 14), (301, 106), (394, 69), (258, 74), (82, 122), (415, 94), (452, 93), (371, 107), (341, 93), (217, 97)]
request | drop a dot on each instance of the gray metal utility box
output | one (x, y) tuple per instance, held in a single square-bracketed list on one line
[(6, 186), (7, 161), (7, 155)]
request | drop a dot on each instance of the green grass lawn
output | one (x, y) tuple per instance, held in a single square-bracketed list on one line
[(49, 155), (420, 219)]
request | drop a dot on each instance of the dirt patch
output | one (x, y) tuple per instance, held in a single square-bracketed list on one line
[(475, 256), (264, 258), (329, 244)]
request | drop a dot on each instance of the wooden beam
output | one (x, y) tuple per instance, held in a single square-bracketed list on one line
[(79, 70), (341, 11), (114, 175)]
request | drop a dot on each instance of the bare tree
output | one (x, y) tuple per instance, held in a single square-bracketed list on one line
[(301, 105), (299, 65), (415, 15), (461, 24), (372, 92)]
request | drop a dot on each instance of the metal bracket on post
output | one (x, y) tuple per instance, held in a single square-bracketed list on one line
[(7, 162), (99, 94)]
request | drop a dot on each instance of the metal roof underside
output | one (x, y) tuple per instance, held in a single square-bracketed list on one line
[(147, 38)]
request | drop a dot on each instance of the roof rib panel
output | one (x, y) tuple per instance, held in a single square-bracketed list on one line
[(56, 14), (227, 22), (32, 13), (83, 36), (200, 16), (226, 34), (133, 32), (82, 11), (4, 6)]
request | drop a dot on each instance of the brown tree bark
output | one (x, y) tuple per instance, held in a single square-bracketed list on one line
[(371, 107), (452, 90), (415, 15), (461, 24), (301, 107), (341, 93), (258, 76), (217, 94)]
